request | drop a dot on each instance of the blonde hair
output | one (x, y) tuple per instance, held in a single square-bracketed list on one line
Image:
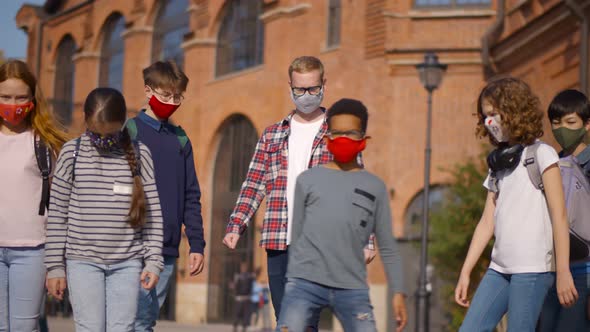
[(40, 119), (306, 64)]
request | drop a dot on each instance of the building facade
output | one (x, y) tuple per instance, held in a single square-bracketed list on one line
[(236, 54)]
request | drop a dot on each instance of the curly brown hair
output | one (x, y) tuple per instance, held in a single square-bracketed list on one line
[(518, 107)]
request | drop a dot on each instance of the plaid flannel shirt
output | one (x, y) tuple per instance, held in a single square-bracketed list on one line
[(267, 176)]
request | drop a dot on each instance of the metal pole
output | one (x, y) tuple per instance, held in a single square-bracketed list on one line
[(422, 294)]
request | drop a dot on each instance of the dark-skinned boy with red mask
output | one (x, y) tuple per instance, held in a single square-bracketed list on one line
[(176, 180), (343, 202)]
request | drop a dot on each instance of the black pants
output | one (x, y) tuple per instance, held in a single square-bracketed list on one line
[(242, 313), (277, 261)]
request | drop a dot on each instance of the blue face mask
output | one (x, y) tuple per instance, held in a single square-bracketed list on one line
[(105, 142)]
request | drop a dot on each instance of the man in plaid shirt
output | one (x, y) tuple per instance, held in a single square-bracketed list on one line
[(285, 150)]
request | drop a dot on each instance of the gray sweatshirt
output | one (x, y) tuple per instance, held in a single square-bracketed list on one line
[(334, 214)]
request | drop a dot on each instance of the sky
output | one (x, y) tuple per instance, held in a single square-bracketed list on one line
[(13, 41)]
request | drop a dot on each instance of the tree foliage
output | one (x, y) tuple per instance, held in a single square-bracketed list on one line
[(451, 232)]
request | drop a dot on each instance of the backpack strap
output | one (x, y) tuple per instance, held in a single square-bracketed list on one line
[(76, 153), (43, 156), (532, 166), (132, 128), (181, 135)]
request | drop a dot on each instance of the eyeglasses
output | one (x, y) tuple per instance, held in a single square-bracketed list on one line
[(353, 134), (312, 90), (169, 97)]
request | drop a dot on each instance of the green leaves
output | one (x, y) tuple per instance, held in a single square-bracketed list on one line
[(451, 231)]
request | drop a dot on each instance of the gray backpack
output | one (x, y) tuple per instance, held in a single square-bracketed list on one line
[(576, 189)]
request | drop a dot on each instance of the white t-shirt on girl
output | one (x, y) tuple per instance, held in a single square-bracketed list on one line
[(523, 230)]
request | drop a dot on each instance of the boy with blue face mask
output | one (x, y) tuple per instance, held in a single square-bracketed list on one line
[(569, 113)]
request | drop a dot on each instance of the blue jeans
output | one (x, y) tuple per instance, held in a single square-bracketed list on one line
[(520, 295), (554, 317), (304, 300), (104, 297), (150, 302), (22, 284)]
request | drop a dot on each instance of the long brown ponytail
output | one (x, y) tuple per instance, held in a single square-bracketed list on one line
[(137, 208)]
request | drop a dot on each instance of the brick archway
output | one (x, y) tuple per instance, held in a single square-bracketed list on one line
[(236, 147)]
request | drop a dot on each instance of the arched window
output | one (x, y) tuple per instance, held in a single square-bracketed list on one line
[(241, 37), (413, 218), (334, 13), (170, 27), (112, 53), (63, 96), (238, 139)]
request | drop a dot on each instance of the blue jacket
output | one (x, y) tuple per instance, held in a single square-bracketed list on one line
[(176, 180)]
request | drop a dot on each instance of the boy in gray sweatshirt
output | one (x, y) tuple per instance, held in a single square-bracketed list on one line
[(336, 207)]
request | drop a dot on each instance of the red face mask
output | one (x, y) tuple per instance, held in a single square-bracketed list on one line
[(346, 149), (15, 114), (162, 110)]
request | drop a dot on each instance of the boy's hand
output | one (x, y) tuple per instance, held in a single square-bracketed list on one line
[(369, 255), (56, 287), (149, 280), (231, 240), (566, 290), (461, 291), (399, 311), (196, 262)]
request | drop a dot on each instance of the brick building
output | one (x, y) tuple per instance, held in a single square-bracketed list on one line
[(236, 54)]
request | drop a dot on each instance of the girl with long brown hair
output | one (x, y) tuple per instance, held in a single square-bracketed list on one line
[(27, 129), (105, 222)]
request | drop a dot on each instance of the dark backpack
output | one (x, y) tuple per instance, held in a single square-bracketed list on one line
[(180, 133), (576, 189), (244, 283), (44, 162), (77, 151)]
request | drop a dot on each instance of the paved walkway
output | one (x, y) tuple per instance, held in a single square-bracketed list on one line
[(57, 324)]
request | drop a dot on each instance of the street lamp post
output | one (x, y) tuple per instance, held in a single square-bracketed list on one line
[(431, 73)]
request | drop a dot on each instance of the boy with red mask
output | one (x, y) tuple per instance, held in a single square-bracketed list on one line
[(343, 202), (285, 149), (176, 180)]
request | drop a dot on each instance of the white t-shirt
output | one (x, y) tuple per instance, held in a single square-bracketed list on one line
[(301, 140), (523, 230)]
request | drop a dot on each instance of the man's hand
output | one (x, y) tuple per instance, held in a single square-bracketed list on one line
[(56, 287), (231, 240), (196, 262), (369, 255), (149, 280), (399, 311)]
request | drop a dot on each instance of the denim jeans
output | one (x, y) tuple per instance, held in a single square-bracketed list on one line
[(104, 297), (22, 284), (521, 295), (556, 318), (150, 302), (277, 261), (304, 300)]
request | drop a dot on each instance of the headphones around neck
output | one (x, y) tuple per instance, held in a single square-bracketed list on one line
[(505, 157)]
